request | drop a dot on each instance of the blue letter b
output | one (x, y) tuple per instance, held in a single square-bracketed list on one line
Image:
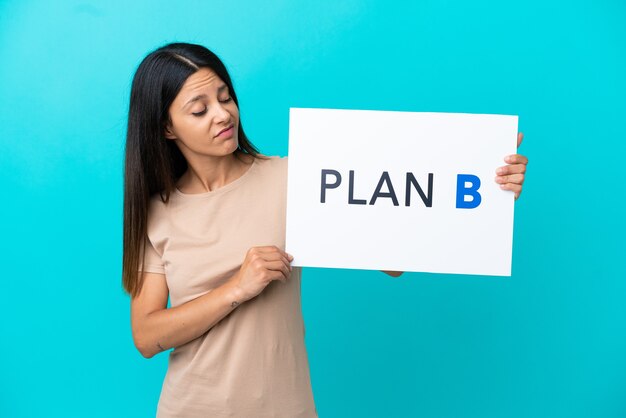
[(472, 190)]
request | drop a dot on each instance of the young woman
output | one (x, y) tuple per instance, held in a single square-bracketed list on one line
[(204, 224)]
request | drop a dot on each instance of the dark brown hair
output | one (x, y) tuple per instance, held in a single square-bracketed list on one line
[(154, 164)]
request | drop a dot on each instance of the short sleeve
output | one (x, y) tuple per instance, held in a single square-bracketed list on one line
[(152, 260)]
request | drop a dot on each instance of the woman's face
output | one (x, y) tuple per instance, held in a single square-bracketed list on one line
[(204, 118)]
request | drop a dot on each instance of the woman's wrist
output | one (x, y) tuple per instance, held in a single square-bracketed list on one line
[(235, 295)]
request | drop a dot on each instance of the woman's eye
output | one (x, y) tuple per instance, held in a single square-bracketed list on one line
[(226, 100), (200, 113)]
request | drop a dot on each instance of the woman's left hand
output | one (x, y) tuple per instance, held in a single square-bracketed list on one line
[(511, 176)]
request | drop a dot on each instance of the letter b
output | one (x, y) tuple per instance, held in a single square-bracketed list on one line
[(462, 190)]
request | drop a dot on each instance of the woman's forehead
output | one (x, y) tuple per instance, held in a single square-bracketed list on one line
[(203, 79)]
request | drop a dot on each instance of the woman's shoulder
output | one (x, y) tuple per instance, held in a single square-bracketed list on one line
[(157, 215), (271, 169), (271, 159), (269, 162)]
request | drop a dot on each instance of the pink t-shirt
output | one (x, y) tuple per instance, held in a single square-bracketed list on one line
[(253, 363)]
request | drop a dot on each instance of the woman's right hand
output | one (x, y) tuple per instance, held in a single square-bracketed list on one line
[(261, 266)]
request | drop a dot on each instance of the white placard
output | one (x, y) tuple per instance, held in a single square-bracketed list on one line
[(349, 171)]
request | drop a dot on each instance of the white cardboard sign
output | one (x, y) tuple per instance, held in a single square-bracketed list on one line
[(407, 191)]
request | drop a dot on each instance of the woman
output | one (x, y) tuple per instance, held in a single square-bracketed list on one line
[(204, 224)]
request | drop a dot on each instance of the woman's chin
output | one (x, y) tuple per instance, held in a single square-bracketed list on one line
[(232, 145)]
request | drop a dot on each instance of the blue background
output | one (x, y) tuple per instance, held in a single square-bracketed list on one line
[(548, 342)]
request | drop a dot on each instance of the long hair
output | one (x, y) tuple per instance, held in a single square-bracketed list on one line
[(152, 163)]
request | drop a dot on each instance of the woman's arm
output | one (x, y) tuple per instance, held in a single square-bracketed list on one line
[(156, 328)]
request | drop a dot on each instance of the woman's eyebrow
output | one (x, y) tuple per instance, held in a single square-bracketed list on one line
[(203, 96), (195, 99)]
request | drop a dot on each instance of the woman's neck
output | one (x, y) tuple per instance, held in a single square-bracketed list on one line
[(212, 174)]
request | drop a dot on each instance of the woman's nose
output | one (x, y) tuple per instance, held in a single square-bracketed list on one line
[(221, 114)]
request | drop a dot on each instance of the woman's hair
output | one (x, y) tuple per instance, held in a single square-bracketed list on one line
[(153, 163)]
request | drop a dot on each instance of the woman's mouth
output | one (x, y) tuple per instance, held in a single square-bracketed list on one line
[(226, 133)]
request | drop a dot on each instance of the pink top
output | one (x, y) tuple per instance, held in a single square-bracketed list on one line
[(253, 362)]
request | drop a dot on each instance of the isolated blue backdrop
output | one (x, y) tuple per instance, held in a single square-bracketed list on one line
[(548, 342)]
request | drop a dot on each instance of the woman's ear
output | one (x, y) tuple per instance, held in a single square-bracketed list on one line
[(168, 132)]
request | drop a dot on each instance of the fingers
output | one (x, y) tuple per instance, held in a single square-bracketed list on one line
[(274, 256), (270, 249), (277, 262), (515, 188), (271, 261), (516, 159), (278, 267), (511, 169), (393, 273), (512, 178), (512, 181)]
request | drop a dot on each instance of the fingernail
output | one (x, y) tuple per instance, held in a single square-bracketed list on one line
[(500, 170), (503, 187), (290, 257), (508, 159)]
